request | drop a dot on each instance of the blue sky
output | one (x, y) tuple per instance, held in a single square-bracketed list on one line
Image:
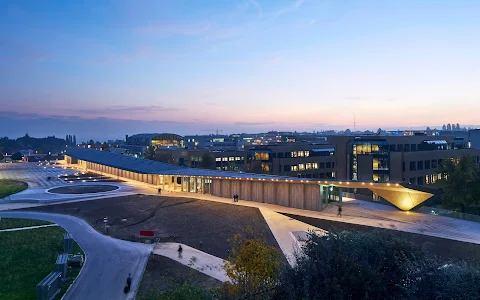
[(247, 65)]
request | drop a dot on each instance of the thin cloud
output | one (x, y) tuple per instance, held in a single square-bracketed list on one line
[(126, 108), (174, 29), (257, 6)]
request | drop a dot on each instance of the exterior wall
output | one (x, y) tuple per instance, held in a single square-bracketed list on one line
[(297, 195), (365, 167), (257, 191), (226, 189), (312, 197), (283, 193), (245, 190), (269, 192)]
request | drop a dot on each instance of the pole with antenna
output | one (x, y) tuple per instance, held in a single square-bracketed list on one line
[(354, 123)]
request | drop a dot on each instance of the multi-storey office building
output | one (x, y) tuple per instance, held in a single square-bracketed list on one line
[(412, 159), (303, 160)]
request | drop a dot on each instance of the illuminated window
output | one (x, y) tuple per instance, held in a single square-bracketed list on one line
[(294, 168), (308, 166), (261, 156), (224, 158), (300, 153), (301, 167), (307, 153), (218, 159), (231, 158), (237, 158), (427, 179), (315, 165)]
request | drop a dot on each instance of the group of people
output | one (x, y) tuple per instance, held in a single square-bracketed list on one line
[(235, 198)]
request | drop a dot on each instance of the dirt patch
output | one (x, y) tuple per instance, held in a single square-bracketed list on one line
[(163, 273), (83, 189), (441, 247), (204, 225)]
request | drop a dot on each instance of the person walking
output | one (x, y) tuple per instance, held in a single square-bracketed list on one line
[(180, 250), (159, 191), (236, 197), (129, 284), (339, 214)]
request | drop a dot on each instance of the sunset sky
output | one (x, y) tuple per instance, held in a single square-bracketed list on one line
[(251, 64)]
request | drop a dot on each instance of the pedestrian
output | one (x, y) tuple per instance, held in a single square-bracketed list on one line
[(159, 191), (180, 250), (339, 214), (236, 197), (126, 289)]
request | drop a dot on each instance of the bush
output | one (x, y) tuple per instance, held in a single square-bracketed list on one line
[(353, 265)]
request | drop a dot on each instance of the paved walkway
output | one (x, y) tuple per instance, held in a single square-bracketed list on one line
[(195, 259), (283, 229), (108, 260), (26, 228)]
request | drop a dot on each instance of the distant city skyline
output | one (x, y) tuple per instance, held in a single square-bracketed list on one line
[(243, 66)]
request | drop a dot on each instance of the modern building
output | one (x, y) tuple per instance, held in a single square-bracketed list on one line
[(310, 194), (303, 160), (412, 159), (167, 140)]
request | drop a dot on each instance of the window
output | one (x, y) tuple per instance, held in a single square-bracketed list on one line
[(294, 168), (406, 147), (333, 165), (321, 175), (300, 153), (427, 179), (261, 156), (224, 158), (287, 168), (420, 180), (301, 167), (218, 159), (420, 165), (412, 166), (322, 165), (307, 153), (393, 148), (294, 153), (231, 158), (329, 165), (280, 155), (411, 180), (315, 165), (434, 163), (237, 158), (427, 164), (308, 166), (413, 147), (403, 166)]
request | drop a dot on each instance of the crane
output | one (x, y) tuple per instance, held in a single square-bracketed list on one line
[(217, 130)]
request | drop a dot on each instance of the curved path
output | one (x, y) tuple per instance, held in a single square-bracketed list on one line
[(108, 260)]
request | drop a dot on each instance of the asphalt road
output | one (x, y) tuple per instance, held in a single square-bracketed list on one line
[(108, 260)]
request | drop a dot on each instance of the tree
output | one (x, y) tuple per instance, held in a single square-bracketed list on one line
[(149, 153), (17, 156), (253, 266), (1, 157), (374, 265), (208, 161), (460, 183), (105, 147), (74, 140)]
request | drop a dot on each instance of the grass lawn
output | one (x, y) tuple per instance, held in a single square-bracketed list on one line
[(9, 187), (27, 256), (6, 223)]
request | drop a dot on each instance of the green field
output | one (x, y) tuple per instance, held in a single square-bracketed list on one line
[(9, 187), (6, 223), (27, 256)]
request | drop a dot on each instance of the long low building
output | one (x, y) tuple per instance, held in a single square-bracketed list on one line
[(280, 190)]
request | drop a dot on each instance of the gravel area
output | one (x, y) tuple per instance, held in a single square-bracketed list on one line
[(83, 189), (441, 247), (163, 273), (204, 225)]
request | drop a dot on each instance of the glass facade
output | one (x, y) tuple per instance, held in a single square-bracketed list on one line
[(380, 152)]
